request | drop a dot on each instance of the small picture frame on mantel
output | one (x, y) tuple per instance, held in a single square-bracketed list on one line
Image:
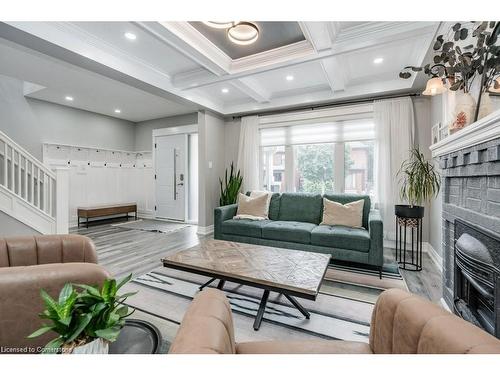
[(439, 132)]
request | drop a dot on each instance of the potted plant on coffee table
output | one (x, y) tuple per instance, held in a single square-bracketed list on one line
[(419, 182), (85, 318)]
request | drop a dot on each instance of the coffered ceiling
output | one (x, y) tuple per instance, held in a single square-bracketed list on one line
[(305, 62)]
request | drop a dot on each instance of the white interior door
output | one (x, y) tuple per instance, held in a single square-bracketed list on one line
[(171, 176)]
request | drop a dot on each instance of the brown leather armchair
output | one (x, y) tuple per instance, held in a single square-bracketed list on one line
[(28, 264), (402, 323)]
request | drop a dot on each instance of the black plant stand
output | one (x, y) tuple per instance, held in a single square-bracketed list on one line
[(409, 228)]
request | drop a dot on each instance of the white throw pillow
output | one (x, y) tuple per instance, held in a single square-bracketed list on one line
[(252, 208), (258, 193), (349, 215)]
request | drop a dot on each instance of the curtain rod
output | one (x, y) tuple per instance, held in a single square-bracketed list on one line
[(332, 105)]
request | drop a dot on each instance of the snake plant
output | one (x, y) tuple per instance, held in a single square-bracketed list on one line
[(83, 313), (418, 178), (232, 186)]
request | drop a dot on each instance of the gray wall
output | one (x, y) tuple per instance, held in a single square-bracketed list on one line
[(144, 129), (421, 106), (31, 122), (232, 139), (12, 227), (211, 139), (436, 208)]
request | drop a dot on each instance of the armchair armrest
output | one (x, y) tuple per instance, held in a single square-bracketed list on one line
[(222, 214), (21, 302), (376, 230)]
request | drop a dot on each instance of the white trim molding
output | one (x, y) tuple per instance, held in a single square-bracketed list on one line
[(433, 254), (484, 130), (205, 230)]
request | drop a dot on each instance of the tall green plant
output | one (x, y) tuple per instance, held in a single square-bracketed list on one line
[(232, 186), (418, 179), (80, 316)]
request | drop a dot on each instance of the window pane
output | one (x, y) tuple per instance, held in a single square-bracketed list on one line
[(273, 169), (314, 168), (359, 167)]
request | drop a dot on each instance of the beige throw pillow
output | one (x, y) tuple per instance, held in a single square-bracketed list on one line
[(349, 215), (252, 208), (258, 193)]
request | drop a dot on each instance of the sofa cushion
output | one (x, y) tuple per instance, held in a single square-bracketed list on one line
[(302, 207), (244, 227), (348, 198), (290, 231), (341, 237)]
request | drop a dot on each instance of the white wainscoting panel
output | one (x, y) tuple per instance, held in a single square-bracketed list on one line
[(99, 176)]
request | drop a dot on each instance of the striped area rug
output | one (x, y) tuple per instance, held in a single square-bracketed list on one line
[(342, 309)]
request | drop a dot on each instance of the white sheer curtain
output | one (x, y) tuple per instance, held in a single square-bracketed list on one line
[(395, 128), (248, 152)]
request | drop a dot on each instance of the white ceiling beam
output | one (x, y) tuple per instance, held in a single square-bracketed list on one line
[(250, 87), (191, 43), (321, 35)]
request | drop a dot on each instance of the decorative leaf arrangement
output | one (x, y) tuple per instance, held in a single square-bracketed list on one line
[(460, 66), (81, 316), (232, 186), (418, 178)]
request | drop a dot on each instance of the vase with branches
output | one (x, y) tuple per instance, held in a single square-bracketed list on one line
[(468, 51)]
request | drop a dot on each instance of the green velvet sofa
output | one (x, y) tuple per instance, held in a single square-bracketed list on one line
[(294, 224)]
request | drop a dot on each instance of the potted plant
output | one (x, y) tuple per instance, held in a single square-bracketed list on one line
[(419, 183), (85, 318), (232, 186)]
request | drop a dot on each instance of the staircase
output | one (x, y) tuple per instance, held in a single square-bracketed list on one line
[(28, 189)]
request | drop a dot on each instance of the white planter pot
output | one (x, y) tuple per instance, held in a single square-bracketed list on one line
[(98, 346), (485, 107)]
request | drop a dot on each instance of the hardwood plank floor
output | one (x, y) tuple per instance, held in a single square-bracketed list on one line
[(123, 251)]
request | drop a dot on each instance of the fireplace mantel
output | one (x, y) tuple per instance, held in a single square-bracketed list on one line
[(481, 131)]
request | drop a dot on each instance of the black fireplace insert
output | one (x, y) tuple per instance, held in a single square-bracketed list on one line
[(477, 277)]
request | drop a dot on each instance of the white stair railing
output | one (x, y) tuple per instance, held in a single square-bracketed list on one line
[(28, 180)]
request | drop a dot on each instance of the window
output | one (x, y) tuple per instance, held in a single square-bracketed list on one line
[(314, 168), (319, 157), (273, 171), (358, 171)]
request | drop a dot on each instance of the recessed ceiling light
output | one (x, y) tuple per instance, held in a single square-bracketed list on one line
[(69, 98), (118, 110), (289, 77), (225, 90), (130, 36), (378, 60)]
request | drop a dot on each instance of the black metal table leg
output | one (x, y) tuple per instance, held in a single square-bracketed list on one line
[(298, 306), (207, 283), (262, 308), (221, 284)]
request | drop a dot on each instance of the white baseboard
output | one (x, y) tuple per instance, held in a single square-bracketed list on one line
[(205, 230), (437, 259), (426, 248)]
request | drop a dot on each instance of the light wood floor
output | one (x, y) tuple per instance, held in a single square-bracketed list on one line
[(123, 251)]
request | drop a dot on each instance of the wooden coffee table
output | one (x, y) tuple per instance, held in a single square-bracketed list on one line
[(290, 272)]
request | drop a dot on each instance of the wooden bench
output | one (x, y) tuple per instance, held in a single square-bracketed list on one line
[(106, 210)]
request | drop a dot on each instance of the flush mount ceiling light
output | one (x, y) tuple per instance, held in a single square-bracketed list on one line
[(378, 60), (243, 33), (219, 25), (69, 98), (130, 36), (118, 110)]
